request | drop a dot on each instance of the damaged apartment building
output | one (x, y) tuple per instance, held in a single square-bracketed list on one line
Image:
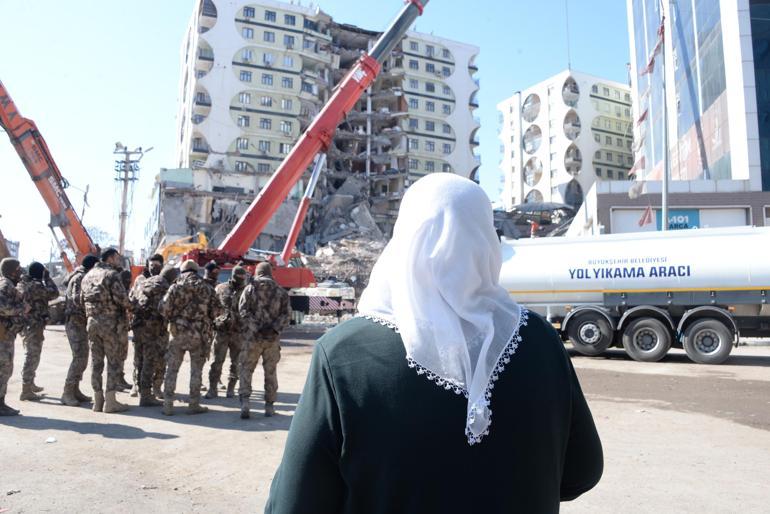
[(255, 74)]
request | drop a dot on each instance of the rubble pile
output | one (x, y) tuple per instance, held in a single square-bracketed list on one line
[(346, 260)]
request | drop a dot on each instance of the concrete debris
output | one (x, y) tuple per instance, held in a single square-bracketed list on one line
[(347, 260)]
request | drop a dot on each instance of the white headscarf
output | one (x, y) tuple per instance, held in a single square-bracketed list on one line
[(437, 283)]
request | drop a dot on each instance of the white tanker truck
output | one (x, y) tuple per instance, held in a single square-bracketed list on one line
[(697, 289)]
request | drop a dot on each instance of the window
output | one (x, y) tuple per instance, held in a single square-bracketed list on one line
[(629, 159), (242, 143), (617, 111), (414, 103), (430, 106), (627, 112), (554, 172), (268, 59), (606, 91), (245, 76), (265, 123), (288, 41), (446, 108), (619, 142), (628, 144), (248, 12), (414, 144), (445, 54), (430, 146), (247, 55), (608, 140), (413, 84), (198, 144), (413, 123), (607, 124), (284, 148), (597, 138), (598, 172), (197, 118), (608, 155), (446, 71), (430, 87), (286, 104), (244, 98), (243, 121), (627, 97), (429, 50), (619, 126), (447, 129), (263, 168), (597, 155), (447, 148), (289, 19), (308, 44), (430, 166), (413, 64), (617, 95), (447, 90), (595, 89), (286, 127), (610, 174), (247, 33), (413, 164), (307, 87), (270, 16), (430, 67), (264, 146), (266, 101), (414, 46), (199, 74), (241, 165), (267, 79), (430, 126), (553, 157), (287, 82), (288, 61), (268, 37)]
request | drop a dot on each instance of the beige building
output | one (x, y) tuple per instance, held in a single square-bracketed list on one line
[(256, 73)]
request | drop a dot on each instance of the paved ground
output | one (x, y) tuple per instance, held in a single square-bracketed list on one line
[(678, 437)]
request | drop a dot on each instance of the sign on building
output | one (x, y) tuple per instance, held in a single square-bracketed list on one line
[(679, 219)]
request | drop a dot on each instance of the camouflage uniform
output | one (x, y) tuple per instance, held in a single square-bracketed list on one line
[(265, 311), (135, 324), (189, 306), (37, 294), (227, 332), (106, 301), (75, 326), (150, 333), (11, 312)]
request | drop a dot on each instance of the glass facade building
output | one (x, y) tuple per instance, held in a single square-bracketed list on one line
[(697, 107), (760, 35)]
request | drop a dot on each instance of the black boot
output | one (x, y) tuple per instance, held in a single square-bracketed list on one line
[(5, 410), (231, 388), (245, 407)]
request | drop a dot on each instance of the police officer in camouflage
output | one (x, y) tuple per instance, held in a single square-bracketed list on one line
[(75, 326), (150, 332), (38, 289), (189, 306), (265, 311), (12, 310), (152, 269), (228, 332), (106, 301)]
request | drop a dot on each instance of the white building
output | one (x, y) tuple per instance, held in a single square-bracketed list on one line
[(559, 136)]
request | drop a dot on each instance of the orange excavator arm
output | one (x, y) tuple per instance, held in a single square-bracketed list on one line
[(45, 174)]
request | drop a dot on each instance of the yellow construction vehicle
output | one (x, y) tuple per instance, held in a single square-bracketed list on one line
[(175, 249)]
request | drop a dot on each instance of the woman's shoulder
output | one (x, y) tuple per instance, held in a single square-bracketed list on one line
[(358, 334)]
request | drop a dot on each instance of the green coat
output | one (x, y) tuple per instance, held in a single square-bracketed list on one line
[(370, 436)]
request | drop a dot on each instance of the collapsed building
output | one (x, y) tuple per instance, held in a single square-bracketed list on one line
[(255, 74)]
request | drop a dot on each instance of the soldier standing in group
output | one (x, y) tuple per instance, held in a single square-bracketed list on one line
[(211, 276), (75, 326), (150, 333), (38, 289), (106, 301), (227, 332), (189, 306), (264, 309), (12, 308), (152, 269)]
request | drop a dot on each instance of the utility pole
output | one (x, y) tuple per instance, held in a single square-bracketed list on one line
[(127, 170)]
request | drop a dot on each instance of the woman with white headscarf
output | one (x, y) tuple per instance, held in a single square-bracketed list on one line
[(397, 412)]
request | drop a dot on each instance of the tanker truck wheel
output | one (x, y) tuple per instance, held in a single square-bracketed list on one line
[(590, 334), (646, 340), (708, 341)]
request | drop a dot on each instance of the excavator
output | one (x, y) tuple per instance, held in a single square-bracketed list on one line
[(312, 144), (45, 174)]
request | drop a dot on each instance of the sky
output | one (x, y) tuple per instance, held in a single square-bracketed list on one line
[(91, 73)]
